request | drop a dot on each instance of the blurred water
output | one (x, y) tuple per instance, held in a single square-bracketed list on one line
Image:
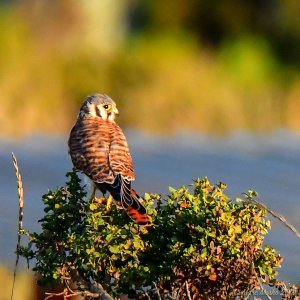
[(269, 164)]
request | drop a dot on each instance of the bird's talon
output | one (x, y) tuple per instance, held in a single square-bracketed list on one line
[(101, 200)]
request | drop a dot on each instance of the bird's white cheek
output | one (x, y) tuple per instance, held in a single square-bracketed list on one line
[(91, 109), (111, 116)]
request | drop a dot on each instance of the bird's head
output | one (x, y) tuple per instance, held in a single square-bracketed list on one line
[(99, 105)]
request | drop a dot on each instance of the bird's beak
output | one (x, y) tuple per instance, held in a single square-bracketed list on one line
[(115, 110)]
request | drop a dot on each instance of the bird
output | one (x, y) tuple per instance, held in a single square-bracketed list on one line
[(99, 149)]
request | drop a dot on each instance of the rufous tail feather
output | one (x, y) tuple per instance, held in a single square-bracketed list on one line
[(137, 212)]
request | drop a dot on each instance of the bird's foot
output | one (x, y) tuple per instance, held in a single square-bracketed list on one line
[(119, 205), (100, 200)]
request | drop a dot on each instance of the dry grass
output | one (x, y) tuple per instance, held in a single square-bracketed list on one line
[(20, 223)]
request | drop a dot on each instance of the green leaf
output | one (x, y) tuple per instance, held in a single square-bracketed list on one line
[(194, 238), (147, 196), (114, 249), (172, 190), (109, 237), (93, 207)]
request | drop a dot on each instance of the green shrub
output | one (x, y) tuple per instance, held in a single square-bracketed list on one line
[(201, 244)]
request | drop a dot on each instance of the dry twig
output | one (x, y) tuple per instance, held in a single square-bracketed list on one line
[(50, 295), (157, 290), (97, 288), (74, 294), (187, 291), (262, 288), (20, 224), (277, 216), (146, 294), (90, 288)]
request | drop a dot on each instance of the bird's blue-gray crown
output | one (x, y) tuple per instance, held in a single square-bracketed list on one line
[(99, 106)]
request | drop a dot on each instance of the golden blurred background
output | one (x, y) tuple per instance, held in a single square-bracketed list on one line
[(209, 66), (172, 66)]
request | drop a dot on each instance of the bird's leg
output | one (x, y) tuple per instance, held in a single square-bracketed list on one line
[(109, 202), (94, 198)]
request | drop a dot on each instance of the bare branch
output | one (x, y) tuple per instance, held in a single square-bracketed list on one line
[(66, 282), (187, 291), (72, 294), (262, 288), (157, 291), (50, 295), (94, 289)]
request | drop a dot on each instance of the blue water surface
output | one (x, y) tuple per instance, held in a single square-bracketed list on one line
[(270, 164)]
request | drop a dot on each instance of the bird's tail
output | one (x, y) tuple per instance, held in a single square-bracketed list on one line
[(136, 211), (131, 201)]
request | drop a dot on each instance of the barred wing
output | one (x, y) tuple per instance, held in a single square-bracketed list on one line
[(99, 149), (119, 155)]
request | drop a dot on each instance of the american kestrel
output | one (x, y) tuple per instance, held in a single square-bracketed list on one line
[(98, 148)]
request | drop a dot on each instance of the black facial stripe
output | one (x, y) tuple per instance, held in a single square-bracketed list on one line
[(98, 112)]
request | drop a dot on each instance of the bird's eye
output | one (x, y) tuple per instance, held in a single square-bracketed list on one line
[(107, 106)]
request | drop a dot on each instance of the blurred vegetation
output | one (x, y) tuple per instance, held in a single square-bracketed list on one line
[(210, 66), (24, 288), (201, 244)]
